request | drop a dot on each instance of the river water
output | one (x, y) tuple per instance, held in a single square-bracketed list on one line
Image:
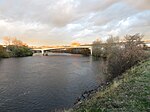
[(46, 83)]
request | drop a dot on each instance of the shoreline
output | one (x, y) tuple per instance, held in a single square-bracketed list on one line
[(88, 94)]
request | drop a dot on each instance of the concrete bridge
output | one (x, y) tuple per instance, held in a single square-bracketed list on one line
[(44, 50), (89, 46)]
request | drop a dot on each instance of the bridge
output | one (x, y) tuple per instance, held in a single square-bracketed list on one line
[(62, 49)]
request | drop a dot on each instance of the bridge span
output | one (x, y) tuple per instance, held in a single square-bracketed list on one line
[(63, 49)]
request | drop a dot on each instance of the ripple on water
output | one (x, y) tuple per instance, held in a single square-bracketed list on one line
[(42, 83)]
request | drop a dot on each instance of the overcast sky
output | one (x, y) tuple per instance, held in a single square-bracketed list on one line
[(60, 22)]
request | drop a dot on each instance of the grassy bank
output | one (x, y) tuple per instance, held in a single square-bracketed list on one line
[(128, 93)]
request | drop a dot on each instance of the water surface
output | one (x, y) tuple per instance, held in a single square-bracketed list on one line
[(45, 83)]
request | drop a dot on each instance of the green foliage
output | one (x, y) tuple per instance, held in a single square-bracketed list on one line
[(15, 48), (3, 53), (19, 51)]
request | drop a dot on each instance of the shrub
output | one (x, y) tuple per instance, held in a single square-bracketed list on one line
[(121, 59), (97, 48), (3, 53), (19, 51)]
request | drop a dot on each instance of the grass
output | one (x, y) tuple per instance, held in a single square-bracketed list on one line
[(127, 93)]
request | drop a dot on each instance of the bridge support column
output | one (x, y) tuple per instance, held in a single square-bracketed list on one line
[(91, 50), (42, 52)]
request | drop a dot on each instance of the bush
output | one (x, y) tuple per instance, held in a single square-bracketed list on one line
[(122, 59), (19, 51), (97, 48), (3, 53)]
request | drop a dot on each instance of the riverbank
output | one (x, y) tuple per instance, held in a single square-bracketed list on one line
[(129, 92)]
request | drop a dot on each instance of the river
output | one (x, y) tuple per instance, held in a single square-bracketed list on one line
[(46, 83)]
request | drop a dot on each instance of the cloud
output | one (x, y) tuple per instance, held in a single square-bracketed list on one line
[(55, 12), (63, 21), (115, 12), (139, 4), (52, 12)]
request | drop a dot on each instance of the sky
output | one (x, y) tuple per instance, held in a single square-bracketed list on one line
[(61, 22)]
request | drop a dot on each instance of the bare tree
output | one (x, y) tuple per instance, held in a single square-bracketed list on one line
[(97, 48), (13, 41), (17, 42), (7, 40), (112, 39), (134, 40), (121, 60)]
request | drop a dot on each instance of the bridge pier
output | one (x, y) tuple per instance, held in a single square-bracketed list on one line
[(91, 50), (42, 52)]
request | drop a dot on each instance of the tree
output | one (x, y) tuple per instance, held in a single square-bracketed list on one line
[(17, 42), (16, 48), (112, 39), (134, 40), (97, 48), (110, 45), (20, 51), (13, 41), (7, 41)]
